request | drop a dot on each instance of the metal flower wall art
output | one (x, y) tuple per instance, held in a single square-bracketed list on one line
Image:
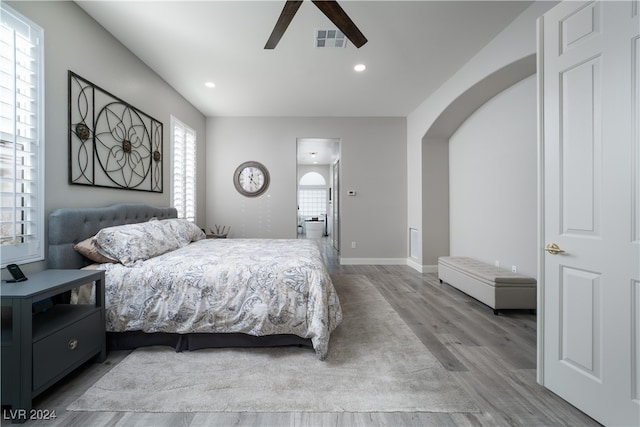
[(111, 143)]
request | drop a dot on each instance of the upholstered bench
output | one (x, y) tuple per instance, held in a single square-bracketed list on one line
[(494, 286)]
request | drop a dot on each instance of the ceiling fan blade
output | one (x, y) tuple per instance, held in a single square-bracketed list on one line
[(341, 20), (287, 14)]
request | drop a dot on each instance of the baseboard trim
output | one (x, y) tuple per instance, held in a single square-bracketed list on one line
[(373, 261), (414, 264), (390, 261), (422, 268), (430, 269)]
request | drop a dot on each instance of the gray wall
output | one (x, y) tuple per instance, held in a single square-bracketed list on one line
[(74, 41), (435, 207), (373, 163), (493, 181), (499, 61)]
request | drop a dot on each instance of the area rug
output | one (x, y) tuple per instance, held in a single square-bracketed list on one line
[(375, 364)]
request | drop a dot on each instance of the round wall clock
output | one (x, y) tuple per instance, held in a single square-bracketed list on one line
[(251, 179)]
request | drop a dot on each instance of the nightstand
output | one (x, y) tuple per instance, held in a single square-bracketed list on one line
[(41, 343)]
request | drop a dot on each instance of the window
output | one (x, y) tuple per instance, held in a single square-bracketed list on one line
[(21, 139), (312, 195), (312, 178), (184, 170), (313, 202)]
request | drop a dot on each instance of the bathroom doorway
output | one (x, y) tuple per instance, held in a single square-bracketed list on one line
[(318, 167)]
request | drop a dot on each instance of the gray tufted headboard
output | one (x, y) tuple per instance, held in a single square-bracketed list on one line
[(68, 226)]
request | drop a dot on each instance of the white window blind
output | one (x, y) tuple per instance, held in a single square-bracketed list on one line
[(184, 170), (21, 139)]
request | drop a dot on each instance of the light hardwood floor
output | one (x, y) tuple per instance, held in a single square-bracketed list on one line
[(492, 357)]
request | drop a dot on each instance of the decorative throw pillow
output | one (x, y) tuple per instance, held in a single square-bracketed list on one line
[(183, 230), (133, 242), (88, 249)]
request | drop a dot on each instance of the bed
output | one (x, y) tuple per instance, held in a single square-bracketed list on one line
[(198, 292)]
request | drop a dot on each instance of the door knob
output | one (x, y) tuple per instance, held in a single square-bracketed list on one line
[(553, 249)]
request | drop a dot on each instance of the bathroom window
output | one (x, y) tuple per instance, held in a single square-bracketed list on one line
[(312, 178), (313, 202), (312, 195)]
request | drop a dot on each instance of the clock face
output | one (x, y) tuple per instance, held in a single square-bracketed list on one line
[(251, 179)]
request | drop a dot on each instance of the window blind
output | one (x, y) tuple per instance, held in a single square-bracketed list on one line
[(21, 139), (184, 170)]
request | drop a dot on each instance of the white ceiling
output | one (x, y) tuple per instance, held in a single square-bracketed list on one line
[(413, 47), (318, 151)]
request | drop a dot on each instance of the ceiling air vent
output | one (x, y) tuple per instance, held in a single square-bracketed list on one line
[(330, 38)]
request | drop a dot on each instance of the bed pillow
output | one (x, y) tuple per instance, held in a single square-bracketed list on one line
[(88, 249), (183, 230), (133, 242)]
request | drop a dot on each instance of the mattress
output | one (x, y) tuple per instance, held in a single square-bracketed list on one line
[(252, 286)]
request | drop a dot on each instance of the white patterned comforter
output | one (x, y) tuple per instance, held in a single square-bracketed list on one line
[(252, 286)]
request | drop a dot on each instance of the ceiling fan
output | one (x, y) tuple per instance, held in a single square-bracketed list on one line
[(330, 8)]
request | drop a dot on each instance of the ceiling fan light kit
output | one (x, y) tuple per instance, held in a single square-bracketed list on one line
[(332, 10)]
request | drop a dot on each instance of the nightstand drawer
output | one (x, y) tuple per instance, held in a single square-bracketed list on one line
[(61, 350)]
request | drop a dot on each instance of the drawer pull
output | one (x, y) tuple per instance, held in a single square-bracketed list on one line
[(73, 344)]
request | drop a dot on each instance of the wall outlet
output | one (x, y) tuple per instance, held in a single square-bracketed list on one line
[(514, 269), (353, 245), (496, 263)]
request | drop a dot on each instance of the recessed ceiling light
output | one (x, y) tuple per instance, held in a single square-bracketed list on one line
[(210, 85), (360, 67)]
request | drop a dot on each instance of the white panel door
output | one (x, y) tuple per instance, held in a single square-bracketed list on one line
[(590, 110)]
